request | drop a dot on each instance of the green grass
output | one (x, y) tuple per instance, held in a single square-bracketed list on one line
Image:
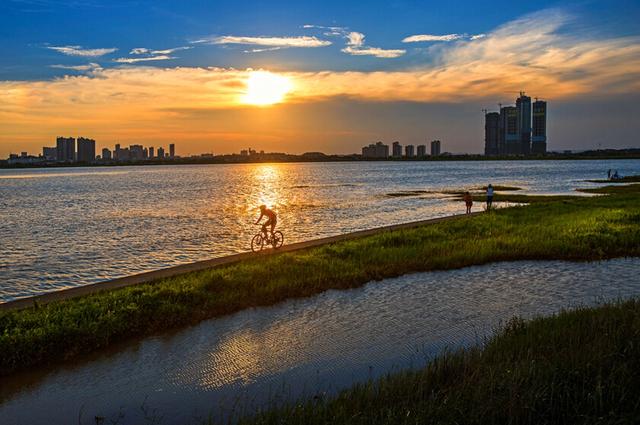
[(630, 188), (571, 229), (581, 366)]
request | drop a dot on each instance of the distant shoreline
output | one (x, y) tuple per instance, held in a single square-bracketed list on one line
[(286, 158)]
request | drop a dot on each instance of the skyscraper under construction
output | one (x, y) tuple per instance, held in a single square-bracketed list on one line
[(512, 131)]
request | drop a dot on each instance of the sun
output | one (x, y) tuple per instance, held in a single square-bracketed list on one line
[(265, 88)]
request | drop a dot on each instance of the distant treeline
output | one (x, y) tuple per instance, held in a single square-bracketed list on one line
[(321, 157)]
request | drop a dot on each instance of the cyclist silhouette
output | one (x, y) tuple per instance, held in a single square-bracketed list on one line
[(272, 219)]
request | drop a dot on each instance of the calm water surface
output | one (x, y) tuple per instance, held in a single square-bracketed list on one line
[(306, 347), (66, 227)]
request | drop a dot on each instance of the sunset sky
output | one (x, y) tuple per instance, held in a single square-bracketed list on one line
[(327, 76)]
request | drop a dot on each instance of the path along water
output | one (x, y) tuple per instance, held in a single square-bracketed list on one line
[(302, 348), (67, 227)]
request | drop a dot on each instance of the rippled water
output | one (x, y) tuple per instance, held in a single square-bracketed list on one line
[(65, 227), (305, 347)]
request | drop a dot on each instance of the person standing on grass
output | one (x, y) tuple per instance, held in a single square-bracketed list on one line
[(468, 200), (489, 196)]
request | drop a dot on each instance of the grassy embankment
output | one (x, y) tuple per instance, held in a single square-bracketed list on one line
[(572, 229), (625, 179), (581, 366)]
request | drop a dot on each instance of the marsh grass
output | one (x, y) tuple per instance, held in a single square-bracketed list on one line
[(570, 229), (580, 366)]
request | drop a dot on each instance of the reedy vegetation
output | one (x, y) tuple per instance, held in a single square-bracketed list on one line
[(571, 229), (581, 366)]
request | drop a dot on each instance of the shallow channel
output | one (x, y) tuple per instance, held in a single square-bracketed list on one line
[(306, 347)]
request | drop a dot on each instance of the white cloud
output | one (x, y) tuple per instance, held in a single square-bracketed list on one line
[(355, 39), (267, 49), (302, 41), (151, 58), (430, 37), (139, 51), (355, 43), (478, 36), (79, 51), (356, 47), (88, 67), (374, 51), (145, 51), (329, 31)]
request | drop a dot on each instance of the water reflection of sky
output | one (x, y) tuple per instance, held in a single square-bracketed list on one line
[(309, 346), (82, 225)]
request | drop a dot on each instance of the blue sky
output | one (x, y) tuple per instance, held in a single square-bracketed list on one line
[(54, 45), (27, 27)]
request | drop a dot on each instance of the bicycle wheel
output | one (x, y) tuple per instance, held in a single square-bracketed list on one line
[(278, 239), (256, 243)]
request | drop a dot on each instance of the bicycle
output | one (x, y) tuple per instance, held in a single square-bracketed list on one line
[(262, 238)]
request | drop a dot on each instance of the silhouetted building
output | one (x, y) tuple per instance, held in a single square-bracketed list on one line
[(65, 149), (161, 153), (435, 148), (539, 128), (491, 133), (116, 152), (50, 154), (136, 152), (396, 150), (509, 142), (151, 152), (378, 150), (106, 154), (518, 133), (523, 105), (86, 150), (422, 150), (172, 150), (409, 151)]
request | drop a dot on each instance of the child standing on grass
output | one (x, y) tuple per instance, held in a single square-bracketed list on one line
[(468, 200)]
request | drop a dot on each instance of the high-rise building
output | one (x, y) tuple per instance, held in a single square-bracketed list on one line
[(86, 150), (518, 134), (422, 150), (151, 152), (435, 148), (378, 150), (161, 153), (65, 149), (492, 133), (172, 150), (539, 128), (136, 152), (409, 151), (106, 154), (116, 152), (523, 105), (50, 154), (396, 150), (509, 141)]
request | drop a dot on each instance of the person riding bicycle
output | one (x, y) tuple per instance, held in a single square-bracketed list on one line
[(272, 219)]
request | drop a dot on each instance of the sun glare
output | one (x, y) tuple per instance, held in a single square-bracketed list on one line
[(265, 88)]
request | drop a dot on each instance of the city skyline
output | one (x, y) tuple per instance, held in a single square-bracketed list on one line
[(327, 77)]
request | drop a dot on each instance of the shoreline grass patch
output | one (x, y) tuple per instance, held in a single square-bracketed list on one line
[(574, 228), (579, 366)]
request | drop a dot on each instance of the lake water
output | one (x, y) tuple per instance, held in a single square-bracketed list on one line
[(306, 347), (64, 227)]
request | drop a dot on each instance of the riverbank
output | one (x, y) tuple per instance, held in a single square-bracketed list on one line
[(580, 366), (571, 229)]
